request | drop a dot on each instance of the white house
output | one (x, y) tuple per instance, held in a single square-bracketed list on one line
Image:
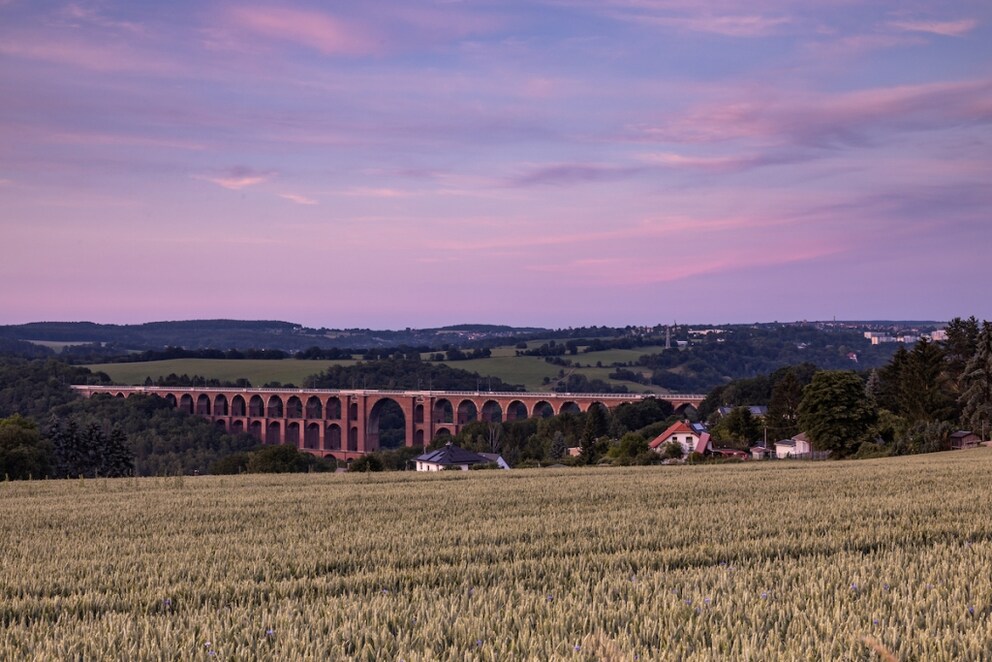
[(691, 439), (798, 446), (450, 456)]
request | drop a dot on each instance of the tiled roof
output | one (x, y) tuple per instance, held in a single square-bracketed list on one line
[(680, 427), (449, 454)]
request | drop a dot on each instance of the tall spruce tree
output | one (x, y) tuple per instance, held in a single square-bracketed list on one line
[(976, 381), (923, 391)]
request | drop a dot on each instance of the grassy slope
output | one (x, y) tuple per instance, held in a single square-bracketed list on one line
[(691, 563), (258, 372), (527, 370)]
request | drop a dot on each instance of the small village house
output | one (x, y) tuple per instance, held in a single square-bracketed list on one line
[(797, 446), (689, 437), (450, 456)]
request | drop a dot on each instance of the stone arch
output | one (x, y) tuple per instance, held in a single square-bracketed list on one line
[(442, 432), (237, 427), (353, 411), (311, 436), (256, 406), (333, 409), (221, 425), (386, 425), (687, 410), (597, 403), (120, 395), (238, 406), (332, 437), (220, 405), (294, 408), (492, 412), (314, 408), (274, 409), (353, 438), (273, 433), (203, 405), (443, 411), (543, 409), (467, 412), (516, 411), (186, 403), (292, 437), (171, 399), (255, 429), (569, 408), (418, 438), (418, 413)]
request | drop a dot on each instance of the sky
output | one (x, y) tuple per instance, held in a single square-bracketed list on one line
[(555, 163)]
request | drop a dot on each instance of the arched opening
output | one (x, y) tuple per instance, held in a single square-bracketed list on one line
[(186, 403), (294, 408), (353, 411), (467, 412), (332, 438), (221, 425), (516, 411), (443, 432), (443, 411), (314, 408), (119, 395), (171, 399), (569, 408), (220, 405), (293, 435), (311, 436), (255, 406), (686, 410), (238, 407), (418, 438), (255, 429), (274, 409), (386, 425), (543, 409), (237, 427), (353, 439), (203, 405), (492, 412), (334, 408), (418, 414), (272, 433)]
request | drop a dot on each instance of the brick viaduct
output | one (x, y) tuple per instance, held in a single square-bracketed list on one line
[(346, 423)]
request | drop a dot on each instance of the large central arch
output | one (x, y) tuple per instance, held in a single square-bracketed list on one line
[(386, 427)]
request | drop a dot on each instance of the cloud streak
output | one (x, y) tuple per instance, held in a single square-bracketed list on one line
[(957, 28), (236, 178), (322, 32)]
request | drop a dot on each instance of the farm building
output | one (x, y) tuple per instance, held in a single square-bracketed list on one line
[(964, 439), (450, 456)]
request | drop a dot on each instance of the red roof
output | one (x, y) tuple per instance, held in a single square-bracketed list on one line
[(681, 427)]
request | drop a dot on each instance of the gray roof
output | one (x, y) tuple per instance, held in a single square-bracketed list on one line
[(449, 454), (962, 433)]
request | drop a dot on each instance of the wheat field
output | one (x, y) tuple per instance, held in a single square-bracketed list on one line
[(775, 561)]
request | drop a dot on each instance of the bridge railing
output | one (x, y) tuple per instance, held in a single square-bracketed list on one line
[(428, 393)]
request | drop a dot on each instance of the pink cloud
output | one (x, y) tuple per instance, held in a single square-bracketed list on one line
[(640, 271), (298, 199), (103, 56), (236, 178), (943, 28), (327, 34), (822, 119)]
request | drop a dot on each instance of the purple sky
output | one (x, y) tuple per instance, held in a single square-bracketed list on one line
[(565, 162)]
